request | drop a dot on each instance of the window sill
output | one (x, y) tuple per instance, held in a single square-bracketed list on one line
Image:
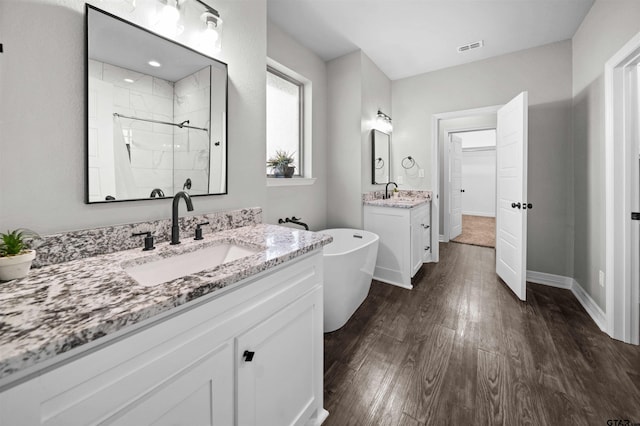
[(290, 182)]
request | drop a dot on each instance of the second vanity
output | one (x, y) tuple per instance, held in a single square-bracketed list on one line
[(85, 343), (404, 226)]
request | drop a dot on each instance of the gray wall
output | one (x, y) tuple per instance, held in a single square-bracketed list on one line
[(344, 159), (607, 27), (545, 72), (376, 94), (357, 89), (306, 202)]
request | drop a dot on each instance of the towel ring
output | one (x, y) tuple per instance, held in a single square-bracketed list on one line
[(379, 161), (408, 162)]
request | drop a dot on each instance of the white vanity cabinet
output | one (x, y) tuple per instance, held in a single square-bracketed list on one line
[(405, 241), (189, 367)]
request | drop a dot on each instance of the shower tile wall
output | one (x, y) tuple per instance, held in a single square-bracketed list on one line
[(191, 155), (150, 145), (161, 156)]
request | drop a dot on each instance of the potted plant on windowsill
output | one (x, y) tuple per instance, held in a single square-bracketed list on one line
[(281, 164), (15, 254)]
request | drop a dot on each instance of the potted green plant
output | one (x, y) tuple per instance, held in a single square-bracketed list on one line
[(281, 164), (15, 254)]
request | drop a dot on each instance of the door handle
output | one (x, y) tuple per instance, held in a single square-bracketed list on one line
[(248, 356), (515, 205), (527, 206), (462, 190)]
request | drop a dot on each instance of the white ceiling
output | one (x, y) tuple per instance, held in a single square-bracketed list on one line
[(409, 37)]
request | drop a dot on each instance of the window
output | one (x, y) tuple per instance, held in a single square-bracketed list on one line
[(285, 117)]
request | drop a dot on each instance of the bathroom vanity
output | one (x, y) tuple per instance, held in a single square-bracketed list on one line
[(240, 343), (404, 227)]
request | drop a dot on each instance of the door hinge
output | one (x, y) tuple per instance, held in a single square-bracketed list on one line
[(635, 216)]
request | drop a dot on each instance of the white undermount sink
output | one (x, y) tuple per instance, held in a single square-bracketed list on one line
[(166, 269)]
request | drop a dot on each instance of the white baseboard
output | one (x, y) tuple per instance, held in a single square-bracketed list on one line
[(550, 279), (589, 305), (322, 416)]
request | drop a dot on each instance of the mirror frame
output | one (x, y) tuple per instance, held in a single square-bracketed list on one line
[(86, 109), (373, 157)]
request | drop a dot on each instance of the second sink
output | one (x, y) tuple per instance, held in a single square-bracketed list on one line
[(162, 270)]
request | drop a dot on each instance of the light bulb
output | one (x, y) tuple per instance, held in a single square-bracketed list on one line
[(209, 39), (170, 13), (211, 33), (167, 23), (383, 123)]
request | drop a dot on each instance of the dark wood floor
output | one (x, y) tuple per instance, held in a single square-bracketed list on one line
[(460, 349)]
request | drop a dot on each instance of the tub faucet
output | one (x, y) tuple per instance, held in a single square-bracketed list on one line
[(175, 229), (295, 220), (386, 189)]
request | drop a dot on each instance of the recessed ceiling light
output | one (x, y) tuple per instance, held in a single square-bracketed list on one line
[(154, 63), (128, 80)]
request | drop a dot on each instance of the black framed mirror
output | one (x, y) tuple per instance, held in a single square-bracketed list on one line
[(156, 114), (380, 158)]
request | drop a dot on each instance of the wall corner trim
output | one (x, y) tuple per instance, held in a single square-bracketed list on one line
[(559, 281)]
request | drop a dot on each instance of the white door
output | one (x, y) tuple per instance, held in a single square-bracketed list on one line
[(455, 186), (511, 220)]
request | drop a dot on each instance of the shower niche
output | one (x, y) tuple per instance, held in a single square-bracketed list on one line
[(156, 115)]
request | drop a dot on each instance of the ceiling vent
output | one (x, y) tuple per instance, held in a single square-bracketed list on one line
[(470, 46)]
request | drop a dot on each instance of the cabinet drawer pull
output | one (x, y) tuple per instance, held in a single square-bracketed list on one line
[(427, 248), (248, 356)]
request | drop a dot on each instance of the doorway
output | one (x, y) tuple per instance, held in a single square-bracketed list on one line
[(471, 186), (622, 189), (511, 188), (454, 123)]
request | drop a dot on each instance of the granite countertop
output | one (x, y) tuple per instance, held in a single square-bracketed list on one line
[(402, 202), (62, 306)]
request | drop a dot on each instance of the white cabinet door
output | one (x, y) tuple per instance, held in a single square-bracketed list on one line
[(200, 394), (426, 235), (393, 226), (279, 363), (183, 386)]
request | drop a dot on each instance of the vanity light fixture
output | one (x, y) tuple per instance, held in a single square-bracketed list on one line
[(383, 122), (210, 39)]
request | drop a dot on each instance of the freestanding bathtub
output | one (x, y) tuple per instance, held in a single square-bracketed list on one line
[(348, 269)]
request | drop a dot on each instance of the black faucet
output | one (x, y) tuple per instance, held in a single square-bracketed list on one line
[(386, 189), (295, 220), (175, 229)]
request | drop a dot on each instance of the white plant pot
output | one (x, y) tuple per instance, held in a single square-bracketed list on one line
[(14, 267)]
